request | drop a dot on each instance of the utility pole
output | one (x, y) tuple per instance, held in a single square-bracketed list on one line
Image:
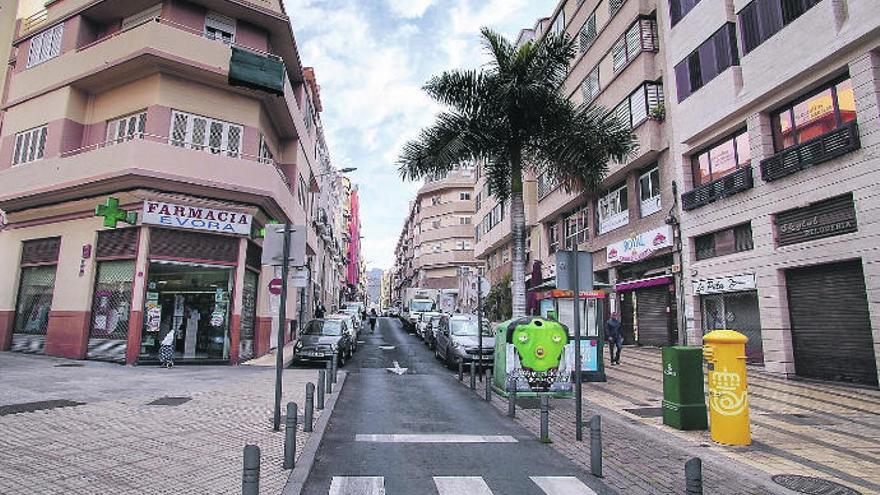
[(282, 317), (480, 323), (578, 412)]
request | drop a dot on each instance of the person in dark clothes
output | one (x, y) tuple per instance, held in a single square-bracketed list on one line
[(614, 336), (319, 311), (373, 317)]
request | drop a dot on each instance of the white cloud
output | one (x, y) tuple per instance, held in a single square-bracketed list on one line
[(371, 67)]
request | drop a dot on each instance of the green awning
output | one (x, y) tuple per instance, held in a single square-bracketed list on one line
[(256, 71)]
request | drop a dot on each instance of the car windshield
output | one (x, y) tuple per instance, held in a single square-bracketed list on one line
[(464, 328), (421, 306), (332, 328)]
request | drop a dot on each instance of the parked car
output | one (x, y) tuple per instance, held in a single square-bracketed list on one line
[(356, 315), (321, 339), (458, 341), (394, 311), (434, 326), (350, 323), (424, 321)]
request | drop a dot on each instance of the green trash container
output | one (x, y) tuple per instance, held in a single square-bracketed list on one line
[(684, 403)]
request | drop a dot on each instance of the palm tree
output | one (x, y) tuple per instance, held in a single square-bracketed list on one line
[(512, 118)]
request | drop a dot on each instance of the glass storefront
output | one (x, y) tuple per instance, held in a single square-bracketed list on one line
[(34, 299), (111, 303), (191, 300)]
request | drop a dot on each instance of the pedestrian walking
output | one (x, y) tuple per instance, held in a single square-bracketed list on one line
[(373, 318), (319, 311), (166, 350), (614, 336)]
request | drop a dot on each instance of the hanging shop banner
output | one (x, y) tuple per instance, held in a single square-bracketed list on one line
[(196, 218), (641, 246), (732, 283)]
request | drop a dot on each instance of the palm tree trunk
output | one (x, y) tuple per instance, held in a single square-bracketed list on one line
[(518, 229)]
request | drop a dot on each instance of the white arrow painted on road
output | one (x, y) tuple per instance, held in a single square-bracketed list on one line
[(397, 369)]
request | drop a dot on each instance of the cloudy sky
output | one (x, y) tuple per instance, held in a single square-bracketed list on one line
[(371, 58)]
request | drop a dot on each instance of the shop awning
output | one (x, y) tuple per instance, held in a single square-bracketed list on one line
[(642, 283)]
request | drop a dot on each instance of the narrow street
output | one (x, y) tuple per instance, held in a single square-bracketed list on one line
[(424, 432)]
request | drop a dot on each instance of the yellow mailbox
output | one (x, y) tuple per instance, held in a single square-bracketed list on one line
[(725, 353)]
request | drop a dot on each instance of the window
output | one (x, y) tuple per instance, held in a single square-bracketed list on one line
[(546, 185), (203, 133), (722, 158), (39, 258), (29, 145), (265, 153), (590, 86), (220, 27), (310, 112), (552, 237), (301, 193), (435, 200), (111, 301), (464, 220), (818, 113), (126, 128), (649, 192), (761, 19), (142, 17), (613, 210), (640, 104), (575, 226), (641, 36), (478, 201), (679, 8), (710, 59), (505, 255), (559, 24), (45, 46), (588, 33), (464, 196), (727, 241), (614, 6), (435, 224)]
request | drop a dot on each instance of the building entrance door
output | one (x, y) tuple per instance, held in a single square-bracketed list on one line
[(192, 301)]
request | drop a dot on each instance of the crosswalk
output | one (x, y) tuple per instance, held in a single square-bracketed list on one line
[(457, 485)]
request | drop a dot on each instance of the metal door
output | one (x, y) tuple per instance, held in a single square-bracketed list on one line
[(736, 311)]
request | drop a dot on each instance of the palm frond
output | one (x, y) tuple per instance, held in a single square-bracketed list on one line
[(501, 50), (464, 90), (439, 148)]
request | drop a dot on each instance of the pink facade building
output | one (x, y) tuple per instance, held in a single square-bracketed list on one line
[(353, 272)]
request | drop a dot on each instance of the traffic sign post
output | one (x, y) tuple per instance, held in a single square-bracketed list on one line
[(275, 286)]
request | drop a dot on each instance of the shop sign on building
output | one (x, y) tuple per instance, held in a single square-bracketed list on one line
[(196, 218), (827, 218), (732, 283), (641, 246)]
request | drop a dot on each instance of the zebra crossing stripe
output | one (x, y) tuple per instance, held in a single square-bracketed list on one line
[(357, 485), (562, 485), (461, 485), (435, 438)]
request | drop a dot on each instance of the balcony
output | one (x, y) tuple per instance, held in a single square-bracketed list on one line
[(728, 185), (148, 162), (813, 152)]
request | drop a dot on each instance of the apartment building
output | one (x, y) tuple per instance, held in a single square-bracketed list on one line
[(435, 248), (619, 67), (145, 146), (774, 112)]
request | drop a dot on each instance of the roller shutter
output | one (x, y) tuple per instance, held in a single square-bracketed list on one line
[(831, 327), (626, 318), (653, 321)]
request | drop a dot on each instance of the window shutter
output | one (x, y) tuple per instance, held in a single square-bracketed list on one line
[(234, 141), (648, 28), (588, 33), (198, 133), (142, 124), (178, 129), (32, 146), (57, 34), (633, 41), (618, 54), (654, 94), (36, 49), (638, 106), (16, 154), (215, 137)]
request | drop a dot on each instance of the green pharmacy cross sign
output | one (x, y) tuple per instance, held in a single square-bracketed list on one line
[(112, 213)]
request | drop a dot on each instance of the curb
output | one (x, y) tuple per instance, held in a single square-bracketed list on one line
[(306, 459)]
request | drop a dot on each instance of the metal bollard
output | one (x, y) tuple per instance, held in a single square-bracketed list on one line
[(290, 435), (461, 370), (322, 384), (309, 411), (329, 379), (693, 474), (511, 398), (596, 446), (488, 381), (335, 366), (545, 419), (250, 475), (473, 372)]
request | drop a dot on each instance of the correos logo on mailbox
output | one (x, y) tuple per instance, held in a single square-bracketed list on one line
[(196, 218)]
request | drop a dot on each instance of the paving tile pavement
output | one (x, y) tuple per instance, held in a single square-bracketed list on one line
[(814, 429), (116, 443)]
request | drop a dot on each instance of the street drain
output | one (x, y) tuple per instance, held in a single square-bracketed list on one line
[(42, 405), (812, 485), (646, 412), (169, 401)]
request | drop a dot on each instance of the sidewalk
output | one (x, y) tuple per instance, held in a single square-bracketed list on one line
[(117, 442), (822, 430)]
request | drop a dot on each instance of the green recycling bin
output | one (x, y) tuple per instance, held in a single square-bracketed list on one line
[(684, 403)]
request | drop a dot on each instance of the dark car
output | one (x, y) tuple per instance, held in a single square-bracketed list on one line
[(458, 341), (430, 332), (321, 339)]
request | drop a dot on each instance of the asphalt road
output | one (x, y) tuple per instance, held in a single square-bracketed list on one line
[(427, 399)]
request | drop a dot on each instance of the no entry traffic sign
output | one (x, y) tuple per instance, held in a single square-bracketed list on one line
[(275, 286)]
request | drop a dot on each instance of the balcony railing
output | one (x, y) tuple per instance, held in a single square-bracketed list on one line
[(815, 151), (721, 188)]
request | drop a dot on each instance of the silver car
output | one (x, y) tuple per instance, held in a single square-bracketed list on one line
[(458, 341), (350, 323)]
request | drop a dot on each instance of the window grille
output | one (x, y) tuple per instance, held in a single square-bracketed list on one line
[(45, 46), (29, 145)]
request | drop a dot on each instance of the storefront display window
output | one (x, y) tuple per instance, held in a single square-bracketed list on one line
[(34, 299), (193, 301), (111, 303)]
